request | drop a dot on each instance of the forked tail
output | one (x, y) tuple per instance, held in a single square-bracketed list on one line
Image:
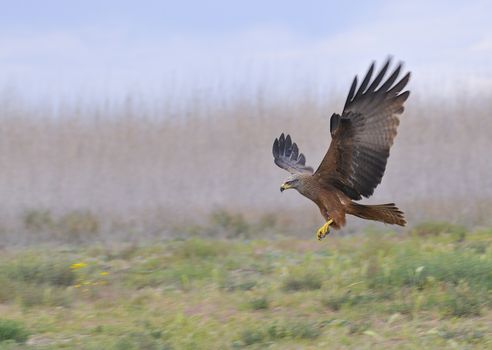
[(387, 213)]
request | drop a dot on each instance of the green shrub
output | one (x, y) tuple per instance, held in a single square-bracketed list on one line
[(54, 273), (13, 330), (277, 331), (304, 330), (259, 304), (335, 302), (252, 336), (308, 281), (462, 302)]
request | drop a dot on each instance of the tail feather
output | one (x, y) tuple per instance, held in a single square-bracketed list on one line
[(387, 213)]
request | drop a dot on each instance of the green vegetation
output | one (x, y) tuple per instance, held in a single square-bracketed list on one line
[(259, 304), (72, 227), (437, 228), (12, 330), (278, 332), (306, 281), (376, 290)]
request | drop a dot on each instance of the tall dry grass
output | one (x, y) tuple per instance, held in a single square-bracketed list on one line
[(155, 166)]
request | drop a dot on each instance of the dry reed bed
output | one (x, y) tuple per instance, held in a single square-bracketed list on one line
[(150, 164)]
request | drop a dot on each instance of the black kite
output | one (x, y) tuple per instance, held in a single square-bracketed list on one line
[(356, 159)]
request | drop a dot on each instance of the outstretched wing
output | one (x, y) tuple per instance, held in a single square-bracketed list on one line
[(286, 155), (363, 135)]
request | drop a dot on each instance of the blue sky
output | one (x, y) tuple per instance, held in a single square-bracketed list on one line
[(111, 48)]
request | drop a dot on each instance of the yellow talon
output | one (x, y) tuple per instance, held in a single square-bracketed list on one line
[(324, 230)]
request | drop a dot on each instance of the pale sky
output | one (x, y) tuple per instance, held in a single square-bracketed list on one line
[(110, 48)]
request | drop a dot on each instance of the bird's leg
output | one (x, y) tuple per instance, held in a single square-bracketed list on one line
[(324, 230)]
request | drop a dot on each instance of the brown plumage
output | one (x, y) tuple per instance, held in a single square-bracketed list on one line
[(356, 159)]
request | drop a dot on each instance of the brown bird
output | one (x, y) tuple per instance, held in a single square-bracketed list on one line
[(354, 164)]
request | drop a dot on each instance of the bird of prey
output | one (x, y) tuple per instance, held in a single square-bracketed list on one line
[(361, 138)]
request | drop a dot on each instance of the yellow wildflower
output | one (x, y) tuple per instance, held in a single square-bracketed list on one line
[(77, 266), (104, 273)]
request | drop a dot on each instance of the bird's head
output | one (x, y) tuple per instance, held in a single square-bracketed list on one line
[(293, 181)]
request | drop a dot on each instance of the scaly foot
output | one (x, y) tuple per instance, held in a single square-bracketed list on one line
[(324, 230)]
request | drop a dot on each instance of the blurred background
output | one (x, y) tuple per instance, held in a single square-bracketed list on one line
[(153, 119)]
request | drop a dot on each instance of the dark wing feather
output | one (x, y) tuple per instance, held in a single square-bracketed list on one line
[(363, 135), (286, 155)]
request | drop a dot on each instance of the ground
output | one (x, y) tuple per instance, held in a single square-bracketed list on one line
[(427, 288)]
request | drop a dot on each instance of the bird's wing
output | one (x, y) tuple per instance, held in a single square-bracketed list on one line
[(362, 136), (287, 156)]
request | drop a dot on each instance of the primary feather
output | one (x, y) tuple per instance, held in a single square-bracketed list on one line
[(363, 135), (286, 155)]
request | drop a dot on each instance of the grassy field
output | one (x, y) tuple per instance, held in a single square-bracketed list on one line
[(427, 288)]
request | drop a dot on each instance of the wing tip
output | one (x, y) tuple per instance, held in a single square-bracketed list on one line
[(275, 148), (287, 156)]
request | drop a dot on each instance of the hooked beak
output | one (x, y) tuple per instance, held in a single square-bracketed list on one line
[(284, 187)]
